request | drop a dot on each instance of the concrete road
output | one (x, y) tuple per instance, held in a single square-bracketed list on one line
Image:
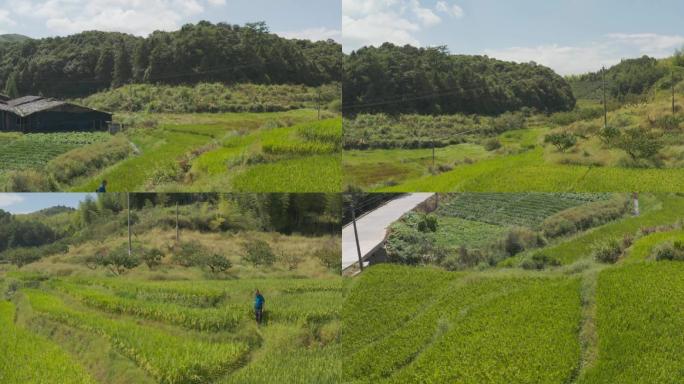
[(372, 227)]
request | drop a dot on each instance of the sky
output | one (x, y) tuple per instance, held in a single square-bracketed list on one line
[(570, 36), (18, 203), (311, 19)]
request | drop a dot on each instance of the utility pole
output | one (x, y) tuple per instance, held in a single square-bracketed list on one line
[(319, 103), (673, 90), (177, 230), (605, 105), (356, 233), (128, 200), (433, 155)]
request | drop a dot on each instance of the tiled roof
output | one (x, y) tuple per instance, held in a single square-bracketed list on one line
[(28, 105)]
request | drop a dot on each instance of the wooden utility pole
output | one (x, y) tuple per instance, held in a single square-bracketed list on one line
[(673, 90), (128, 201), (356, 234), (605, 105), (433, 155), (319, 103), (177, 229)]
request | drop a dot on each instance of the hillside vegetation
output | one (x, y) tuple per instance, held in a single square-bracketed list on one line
[(89, 62), (407, 80), (74, 295)]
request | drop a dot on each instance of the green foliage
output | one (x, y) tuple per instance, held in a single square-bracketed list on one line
[(412, 240), (562, 141), (258, 253), (640, 143), (330, 256), (609, 134), (492, 144), (190, 254), (28, 358), (669, 251), (218, 263), (152, 257), (458, 84), (118, 260), (88, 159), (583, 217), (369, 131), (538, 261), (607, 251), (210, 98), (88, 62)]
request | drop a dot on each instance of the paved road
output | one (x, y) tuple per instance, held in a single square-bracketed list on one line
[(373, 226)]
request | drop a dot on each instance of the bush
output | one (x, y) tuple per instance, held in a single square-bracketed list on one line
[(669, 251), (562, 141), (118, 261), (330, 257), (291, 260), (539, 261), (492, 144), (218, 263), (519, 239), (28, 181), (85, 160), (258, 253), (639, 143), (585, 216), (190, 254), (152, 257), (607, 252)]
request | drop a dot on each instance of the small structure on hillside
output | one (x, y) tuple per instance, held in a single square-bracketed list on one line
[(37, 114)]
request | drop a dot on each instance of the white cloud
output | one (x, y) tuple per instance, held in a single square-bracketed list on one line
[(8, 199), (373, 22), (139, 17), (454, 9), (592, 56), (314, 34), (5, 20)]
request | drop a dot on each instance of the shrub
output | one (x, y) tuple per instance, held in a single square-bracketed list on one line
[(427, 223), (639, 143), (190, 254), (518, 239), (118, 261), (669, 251), (258, 253), (291, 260), (539, 261), (608, 135), (492, 144), (152, 257), (28, 181), (583, 217), (85, 160), (607, 252), (330, 257), (562, 141), (218, 263)]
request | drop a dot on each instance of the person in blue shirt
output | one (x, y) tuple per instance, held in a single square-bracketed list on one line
[(259, 306), (103, 187)]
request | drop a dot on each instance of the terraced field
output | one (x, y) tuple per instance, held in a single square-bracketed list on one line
[(179, 331), (231, 152)]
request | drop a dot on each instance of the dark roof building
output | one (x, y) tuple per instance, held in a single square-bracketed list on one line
[(36, 114)]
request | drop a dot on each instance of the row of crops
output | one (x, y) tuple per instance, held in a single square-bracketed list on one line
[(184, 331), (34, 150), (507, 209)]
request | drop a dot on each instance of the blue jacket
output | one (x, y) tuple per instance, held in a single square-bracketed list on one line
[(259, 302), (102, 189)]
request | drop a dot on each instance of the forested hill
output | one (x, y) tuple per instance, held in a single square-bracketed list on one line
[(12, 38), (407, 79), (89, 62), (624, 81)]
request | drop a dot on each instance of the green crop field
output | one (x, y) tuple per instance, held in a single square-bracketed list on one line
[(35, 150), (163, 327), (581, 320)]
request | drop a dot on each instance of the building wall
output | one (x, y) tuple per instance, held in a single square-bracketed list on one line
[(65, 122)]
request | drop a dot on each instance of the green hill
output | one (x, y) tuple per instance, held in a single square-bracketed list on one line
[(13, 38)]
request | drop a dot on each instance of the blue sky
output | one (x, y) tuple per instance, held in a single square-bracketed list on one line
[(314, 19), (571, 36), (31, 202)]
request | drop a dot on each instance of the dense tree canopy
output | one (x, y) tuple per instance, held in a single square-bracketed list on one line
[(394, 79), (629, 77), (88, 62)]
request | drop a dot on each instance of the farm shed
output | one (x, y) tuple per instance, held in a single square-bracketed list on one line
[(36, 114)]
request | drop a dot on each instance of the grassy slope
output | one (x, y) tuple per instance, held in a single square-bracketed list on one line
[(177, 136)]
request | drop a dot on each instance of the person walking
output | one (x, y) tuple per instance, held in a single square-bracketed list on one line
[(259, 306), (103, 187)]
